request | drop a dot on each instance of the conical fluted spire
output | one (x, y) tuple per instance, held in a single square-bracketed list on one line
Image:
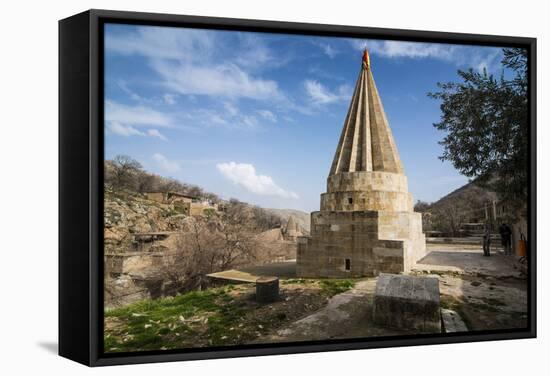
[(366, 142), (291, 224)]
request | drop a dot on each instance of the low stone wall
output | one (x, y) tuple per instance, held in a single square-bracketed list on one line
[(131, 262)]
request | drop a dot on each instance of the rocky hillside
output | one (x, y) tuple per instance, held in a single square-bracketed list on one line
[(128, 213)]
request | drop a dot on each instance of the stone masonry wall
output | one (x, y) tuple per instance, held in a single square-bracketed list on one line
[(372, 241)]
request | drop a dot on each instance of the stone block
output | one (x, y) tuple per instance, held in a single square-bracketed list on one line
[(267, 289), (407, 302)]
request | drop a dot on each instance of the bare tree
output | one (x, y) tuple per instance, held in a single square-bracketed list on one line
[(210, 244), (124, 172)]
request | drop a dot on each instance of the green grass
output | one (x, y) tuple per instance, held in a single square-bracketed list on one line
[(330, 287), (336, 286), (213, 317), (168, 322)]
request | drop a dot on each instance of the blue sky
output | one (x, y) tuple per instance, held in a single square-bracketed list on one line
[(258, 116)]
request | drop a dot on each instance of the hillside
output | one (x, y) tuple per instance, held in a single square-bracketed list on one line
[(468, 190), (465, 205)]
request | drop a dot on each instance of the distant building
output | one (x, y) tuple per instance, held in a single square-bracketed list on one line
[(169, 197), (292, 230), (186, 204)]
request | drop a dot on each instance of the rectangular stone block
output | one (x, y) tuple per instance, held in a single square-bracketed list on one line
[(407, 302)]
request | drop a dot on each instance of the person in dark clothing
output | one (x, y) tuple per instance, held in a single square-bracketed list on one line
[(506, 238), (487, 242)]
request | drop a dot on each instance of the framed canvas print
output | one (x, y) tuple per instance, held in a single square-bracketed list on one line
[(240, 187)]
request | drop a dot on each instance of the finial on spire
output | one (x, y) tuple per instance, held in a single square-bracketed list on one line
[(366, 59)]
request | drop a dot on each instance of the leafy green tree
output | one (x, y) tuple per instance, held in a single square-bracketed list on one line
[(485, 121)]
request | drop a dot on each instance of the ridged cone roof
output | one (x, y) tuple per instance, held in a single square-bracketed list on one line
[(291, 224), (366, 142)]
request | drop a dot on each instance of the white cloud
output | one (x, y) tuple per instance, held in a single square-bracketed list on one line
[(156, 133), (231, 109), (169, 98), (228, 116), (255, 53), (405, 49), (249, 121), (163, 43), (319, 94), (165, 164), (328, 50), (227, 80), (184, 58), (463, 56), (244, 175), (268, 115), (135, 115), (123, 85), (123, 130)]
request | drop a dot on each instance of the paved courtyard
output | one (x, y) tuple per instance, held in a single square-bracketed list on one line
[(487, 292)]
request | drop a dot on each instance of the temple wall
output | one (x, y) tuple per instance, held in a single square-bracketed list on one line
[(367, 200), (372, 241), (367, 181)]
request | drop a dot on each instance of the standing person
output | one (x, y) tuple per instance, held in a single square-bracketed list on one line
[(487, 241), (506, 238)]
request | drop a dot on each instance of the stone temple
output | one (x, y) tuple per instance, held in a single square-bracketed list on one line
[(366, 224)]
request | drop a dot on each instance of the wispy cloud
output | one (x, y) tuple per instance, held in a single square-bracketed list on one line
[(169, 98), (226, 80), (162, 43), (135, 115), (463, 56), (123, 130), (228, 116), (156, 133), (328, 50), (319, 94), (125, 120), (165, 164), (244, 175), (405, 49), (185, 60), (268, 115), (256, 55), (123, 85)]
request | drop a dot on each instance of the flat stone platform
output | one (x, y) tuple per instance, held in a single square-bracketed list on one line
[(234, 276), (407, 302)]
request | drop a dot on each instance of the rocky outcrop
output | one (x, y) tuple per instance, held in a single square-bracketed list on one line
[(132, 213)]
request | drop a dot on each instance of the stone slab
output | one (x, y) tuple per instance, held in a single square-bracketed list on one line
[(407, 302), (452, 322), (234, 276)]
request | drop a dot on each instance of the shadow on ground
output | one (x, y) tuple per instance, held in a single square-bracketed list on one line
[(285, 269), (50, 347)]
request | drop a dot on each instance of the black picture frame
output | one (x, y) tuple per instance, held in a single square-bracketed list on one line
[(81, 187)]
